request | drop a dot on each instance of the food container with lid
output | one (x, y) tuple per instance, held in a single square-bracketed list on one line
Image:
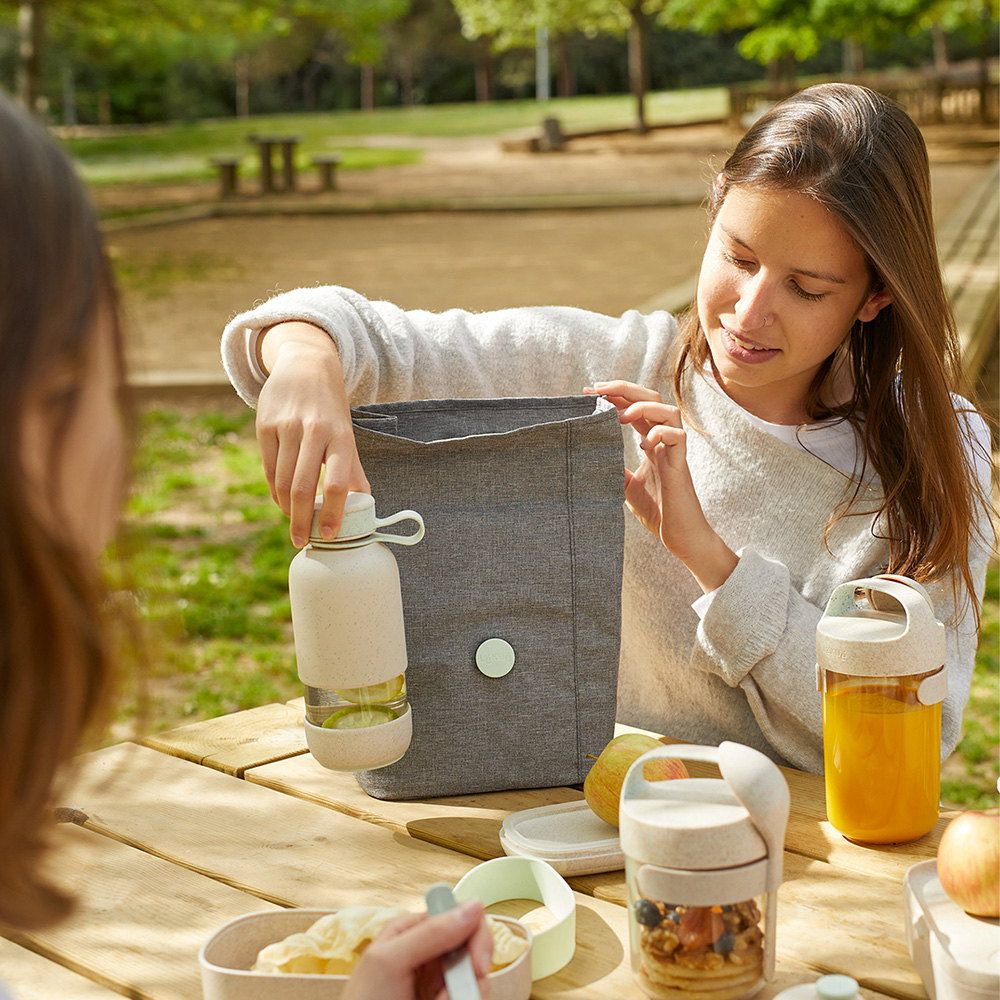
[(703, 863), (956, 955), (880, 657), (227, 960), (350, 646)]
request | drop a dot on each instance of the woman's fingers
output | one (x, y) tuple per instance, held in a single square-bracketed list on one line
[(284, 468), (627, 390), (305, 481), (267, 441)]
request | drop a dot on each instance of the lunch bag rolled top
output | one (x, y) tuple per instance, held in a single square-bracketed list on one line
[(512, 602)]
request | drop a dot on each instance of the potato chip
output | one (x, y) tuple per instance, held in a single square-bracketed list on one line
[(508, 946), (331, 946)]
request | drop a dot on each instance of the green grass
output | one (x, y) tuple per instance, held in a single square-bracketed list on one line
[(210, 553), (179, 152)]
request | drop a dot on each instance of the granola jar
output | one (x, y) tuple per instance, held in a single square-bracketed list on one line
[(703, 862), (880, 666)]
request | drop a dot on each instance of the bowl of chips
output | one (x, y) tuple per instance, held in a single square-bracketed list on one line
[(310, 954)]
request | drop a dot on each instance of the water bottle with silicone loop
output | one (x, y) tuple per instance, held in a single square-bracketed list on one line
[(347, 617), (880, 656)]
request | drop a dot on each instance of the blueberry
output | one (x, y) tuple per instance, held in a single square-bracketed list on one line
[(647, 913), (673, 916), (727, 909), (723, 944)]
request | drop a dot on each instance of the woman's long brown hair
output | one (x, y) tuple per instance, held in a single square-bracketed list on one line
[(862, 157), (56, 667)]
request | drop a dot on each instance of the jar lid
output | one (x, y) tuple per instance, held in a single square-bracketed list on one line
[(836, 987), (882, 626), (359, 518), (696, 824)]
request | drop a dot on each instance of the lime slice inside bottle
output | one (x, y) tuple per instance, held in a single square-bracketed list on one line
[(375, 694), (359, 717)]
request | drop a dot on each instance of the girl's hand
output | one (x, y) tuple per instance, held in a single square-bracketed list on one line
[(303, 425), (660, 493), (404, 962)]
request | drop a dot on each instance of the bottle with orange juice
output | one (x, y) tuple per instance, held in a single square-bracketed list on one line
[(880, 666)]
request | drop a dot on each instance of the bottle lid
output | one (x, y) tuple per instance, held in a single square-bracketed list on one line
[(836, 988), (702, 824), (880, 627), (359, 518)]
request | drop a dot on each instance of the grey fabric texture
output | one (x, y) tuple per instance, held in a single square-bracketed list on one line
[(522, 501)]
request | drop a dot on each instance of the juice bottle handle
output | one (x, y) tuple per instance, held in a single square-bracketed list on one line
[(913, 598)]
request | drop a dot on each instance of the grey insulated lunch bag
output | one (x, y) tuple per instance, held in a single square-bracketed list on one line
[(512, 601)]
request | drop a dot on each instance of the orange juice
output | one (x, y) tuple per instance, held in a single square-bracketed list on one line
[(881, 750)]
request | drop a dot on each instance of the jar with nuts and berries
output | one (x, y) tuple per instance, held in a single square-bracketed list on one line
[(703, 862)]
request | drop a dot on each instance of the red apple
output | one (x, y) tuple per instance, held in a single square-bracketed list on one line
[(968, 862), (603, 786)]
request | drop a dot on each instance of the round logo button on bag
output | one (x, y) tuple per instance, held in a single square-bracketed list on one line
[(495, 658)]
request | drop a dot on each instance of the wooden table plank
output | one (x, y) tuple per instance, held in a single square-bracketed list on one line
[(140, 921), (232, 743), (28, 976), (813, 890), (289, 851)]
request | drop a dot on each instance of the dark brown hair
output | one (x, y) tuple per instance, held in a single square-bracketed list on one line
[(56, 668), (861, 156)]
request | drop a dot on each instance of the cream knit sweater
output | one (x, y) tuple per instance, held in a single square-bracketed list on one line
[(746, 672)]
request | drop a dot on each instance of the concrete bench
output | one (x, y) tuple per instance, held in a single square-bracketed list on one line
[(228, 168), (969, 250), (326, 164)]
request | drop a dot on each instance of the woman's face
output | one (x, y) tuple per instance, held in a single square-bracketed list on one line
[(781, 285), (74, 448)]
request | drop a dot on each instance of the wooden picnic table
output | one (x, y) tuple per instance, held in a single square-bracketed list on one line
[(265, 146), (170, 839)]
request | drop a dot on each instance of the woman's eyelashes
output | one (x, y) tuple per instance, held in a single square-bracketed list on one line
[(749, 266)]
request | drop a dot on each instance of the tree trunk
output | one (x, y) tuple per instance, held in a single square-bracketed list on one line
[(69, 95), (853, 57), (940, 41), (484, 73), (243, 86), (986, 92), (367, 88), (566, 79), (542, 81), (30, 46), (638, 69), (103, 107), (406, 76)]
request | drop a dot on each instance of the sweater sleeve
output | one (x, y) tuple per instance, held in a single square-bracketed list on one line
[(774, 661), (391, 354)]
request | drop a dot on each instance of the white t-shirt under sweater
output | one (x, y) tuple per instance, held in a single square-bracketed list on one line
[(746, 670)]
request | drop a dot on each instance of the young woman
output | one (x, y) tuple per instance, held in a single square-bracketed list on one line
[(794, 431), (63, 456)]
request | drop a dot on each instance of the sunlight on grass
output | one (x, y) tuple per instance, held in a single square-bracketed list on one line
[(179, 152)]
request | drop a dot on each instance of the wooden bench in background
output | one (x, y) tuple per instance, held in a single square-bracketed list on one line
[(326, 165), (228, 168)]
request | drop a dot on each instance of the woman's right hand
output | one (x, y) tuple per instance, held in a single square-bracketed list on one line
[(303, 425)]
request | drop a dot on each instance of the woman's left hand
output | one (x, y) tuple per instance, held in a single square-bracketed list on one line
[(660, 493)]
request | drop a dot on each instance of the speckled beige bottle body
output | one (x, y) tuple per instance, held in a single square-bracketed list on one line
[(347, 617)]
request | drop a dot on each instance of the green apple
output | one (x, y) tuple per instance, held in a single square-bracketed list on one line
[(359, 717), (603, 785), (375, 694)]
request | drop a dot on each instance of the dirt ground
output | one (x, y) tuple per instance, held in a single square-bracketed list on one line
[(183, 280)]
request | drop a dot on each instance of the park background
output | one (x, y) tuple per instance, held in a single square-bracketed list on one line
[(448, 193)]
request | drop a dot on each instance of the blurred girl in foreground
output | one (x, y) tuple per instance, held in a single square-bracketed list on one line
[(64, 450)]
